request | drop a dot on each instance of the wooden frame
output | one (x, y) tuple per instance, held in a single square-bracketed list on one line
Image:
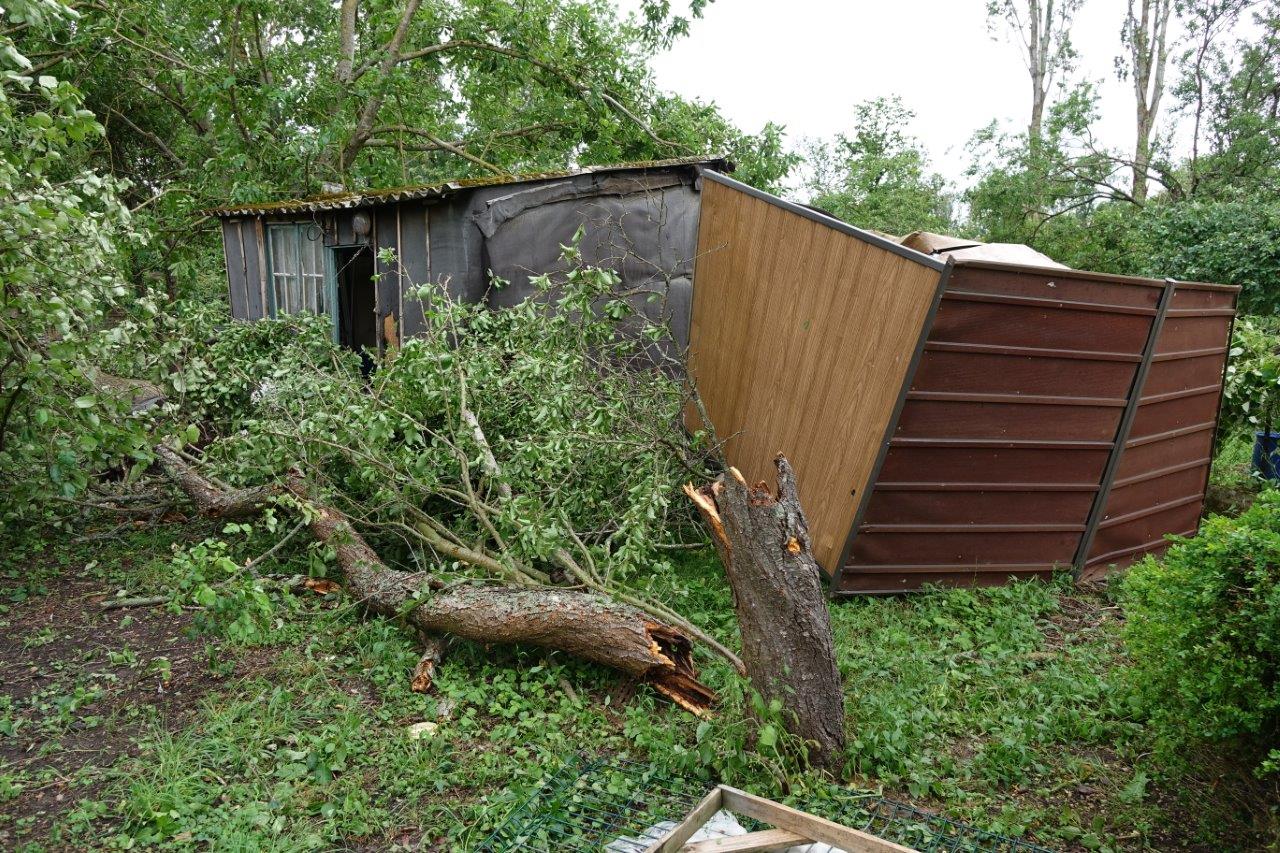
[(791, 827)]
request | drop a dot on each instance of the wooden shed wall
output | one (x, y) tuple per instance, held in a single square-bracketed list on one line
[(801, 336), (244, 249)]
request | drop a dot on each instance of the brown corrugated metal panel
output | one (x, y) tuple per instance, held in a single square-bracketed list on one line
[(1164, 467), (802, 332), (993, 466)]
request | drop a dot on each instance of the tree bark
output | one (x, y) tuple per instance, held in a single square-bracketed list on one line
[(346, 40), (211, 500), (787, 646), (584, 625), (1145, 34)]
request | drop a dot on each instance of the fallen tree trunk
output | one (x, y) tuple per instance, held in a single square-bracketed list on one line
[(585, 625), (763, 541), (211, 500)]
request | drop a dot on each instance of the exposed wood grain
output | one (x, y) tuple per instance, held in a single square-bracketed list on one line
[(801, 337), (753, 842), (807, 825)]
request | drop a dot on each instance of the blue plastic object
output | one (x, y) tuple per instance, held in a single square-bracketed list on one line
[(1266, 454)]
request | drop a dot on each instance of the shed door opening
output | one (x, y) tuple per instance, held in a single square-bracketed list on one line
[(357, 306)]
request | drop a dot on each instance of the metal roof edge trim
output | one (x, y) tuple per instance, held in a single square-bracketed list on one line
[(1114, 278), (830, 221), (391, 195)]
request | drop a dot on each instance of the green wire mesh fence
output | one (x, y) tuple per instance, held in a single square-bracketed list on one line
[(618, 806)]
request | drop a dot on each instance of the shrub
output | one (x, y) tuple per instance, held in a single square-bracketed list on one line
[(1203, 629), (1229, 242), (1251, 396)]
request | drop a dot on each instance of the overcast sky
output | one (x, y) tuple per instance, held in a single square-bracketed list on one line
[(805, 63)]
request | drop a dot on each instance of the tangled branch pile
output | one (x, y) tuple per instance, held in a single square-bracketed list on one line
[(506, 477)]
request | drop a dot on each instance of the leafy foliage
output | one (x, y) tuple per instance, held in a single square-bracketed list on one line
[(65, 308), (1203, 624), (1251, 395), (1235, 242), (575, 412), (877, 177)]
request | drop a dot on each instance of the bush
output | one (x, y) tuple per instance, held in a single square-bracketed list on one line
[(1203, 629), (1225, 242), (1251, 395)]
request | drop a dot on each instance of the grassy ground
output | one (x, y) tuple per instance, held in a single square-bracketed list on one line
[(286, 725)]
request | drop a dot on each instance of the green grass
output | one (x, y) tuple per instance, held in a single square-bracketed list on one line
[(1002, 707)]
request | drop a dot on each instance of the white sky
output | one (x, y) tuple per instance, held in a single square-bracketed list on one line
[(805, 63)]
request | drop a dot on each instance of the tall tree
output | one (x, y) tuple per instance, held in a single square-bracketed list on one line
[(1230, 83), (232, 100), (1044, 29), (1145, 35), (878, 176)]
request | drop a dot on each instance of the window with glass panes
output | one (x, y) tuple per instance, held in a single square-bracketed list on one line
[(297, 267)]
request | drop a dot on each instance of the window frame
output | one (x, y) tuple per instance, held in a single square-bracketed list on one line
[(323, 277)]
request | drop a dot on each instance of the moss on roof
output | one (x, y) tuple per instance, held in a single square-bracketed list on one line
[(365, 198)]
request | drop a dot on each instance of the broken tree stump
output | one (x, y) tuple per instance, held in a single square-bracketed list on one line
[(763, 541)]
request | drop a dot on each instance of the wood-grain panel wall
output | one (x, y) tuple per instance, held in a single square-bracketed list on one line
[(801, 336)]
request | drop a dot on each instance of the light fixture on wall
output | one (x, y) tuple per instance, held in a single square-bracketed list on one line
[(361, 224)]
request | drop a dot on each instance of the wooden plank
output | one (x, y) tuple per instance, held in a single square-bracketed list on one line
[(684, 830), (800, 340), (264, 307), (752, 842), (237, 272), (810, 826)]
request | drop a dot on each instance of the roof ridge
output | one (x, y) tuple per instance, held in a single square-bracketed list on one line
[(385, 195)]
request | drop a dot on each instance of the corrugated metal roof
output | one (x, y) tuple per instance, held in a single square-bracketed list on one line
[(366, 198)]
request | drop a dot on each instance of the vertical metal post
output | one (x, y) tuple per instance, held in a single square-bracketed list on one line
[(1122, 432)]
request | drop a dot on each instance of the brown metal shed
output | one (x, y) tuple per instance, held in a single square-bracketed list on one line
[(956, 422)]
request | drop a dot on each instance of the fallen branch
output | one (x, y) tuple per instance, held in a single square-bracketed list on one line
[(585, 625), (122, 603), (212, 501)]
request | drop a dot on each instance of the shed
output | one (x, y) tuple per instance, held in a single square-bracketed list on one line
[(951, 419), (360, 256)]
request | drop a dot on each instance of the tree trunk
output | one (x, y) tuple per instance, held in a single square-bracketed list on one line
[(211, 500), (585, 625), (787, 646), (1145, 34)]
